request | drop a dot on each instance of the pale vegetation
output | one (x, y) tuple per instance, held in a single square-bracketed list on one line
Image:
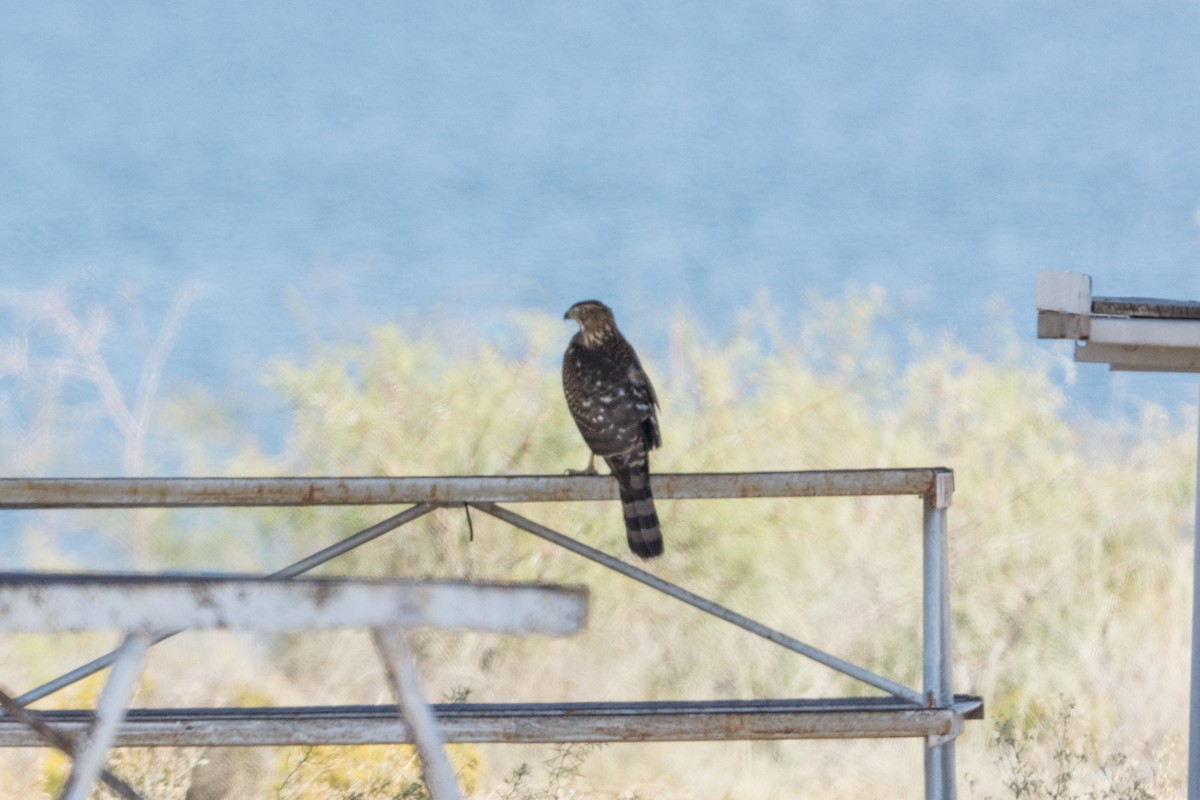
[(1071, 542)]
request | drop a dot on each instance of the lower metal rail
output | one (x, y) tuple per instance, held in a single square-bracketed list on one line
[(721, 720)]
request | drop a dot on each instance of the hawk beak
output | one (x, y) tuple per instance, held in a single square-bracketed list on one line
[(567, 315)]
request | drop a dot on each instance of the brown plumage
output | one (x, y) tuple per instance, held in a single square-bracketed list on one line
[(614, 405)]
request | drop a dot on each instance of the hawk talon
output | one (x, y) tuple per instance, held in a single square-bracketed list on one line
[(590, 470)]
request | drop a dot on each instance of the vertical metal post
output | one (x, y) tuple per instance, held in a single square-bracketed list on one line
[(1194, 722), (406, 685), (114, 701), (939, 758)]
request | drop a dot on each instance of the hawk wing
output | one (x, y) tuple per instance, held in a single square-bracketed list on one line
[(614, 406), (611, 398)]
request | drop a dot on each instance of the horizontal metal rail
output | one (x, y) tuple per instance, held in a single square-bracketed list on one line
[(48, 602), (216, 492), (722, 720)]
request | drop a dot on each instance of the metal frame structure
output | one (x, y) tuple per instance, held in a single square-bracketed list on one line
[(139, 605), (1133, 334), (932, 712)]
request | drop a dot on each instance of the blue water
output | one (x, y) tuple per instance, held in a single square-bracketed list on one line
[(321, 167)]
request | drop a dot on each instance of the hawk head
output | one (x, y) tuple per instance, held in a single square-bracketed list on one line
[(595, 320)]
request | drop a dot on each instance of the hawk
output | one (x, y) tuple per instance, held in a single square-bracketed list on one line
[(614, 405)]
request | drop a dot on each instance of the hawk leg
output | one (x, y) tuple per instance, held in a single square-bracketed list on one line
[(591, 467)]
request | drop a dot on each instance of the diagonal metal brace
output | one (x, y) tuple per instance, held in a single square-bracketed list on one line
[(291, 571), (696, 601), (60, 741)]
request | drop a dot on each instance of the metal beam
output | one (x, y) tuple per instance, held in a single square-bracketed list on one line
[(1141, 332), (218, 492), (1139, 358), (1057, 325), (54, 603), (1194, 690), (723, 720), (939, 755), (1151, 307), (401, 669), (110, 711)]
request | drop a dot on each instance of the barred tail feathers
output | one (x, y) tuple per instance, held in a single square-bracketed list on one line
[(632, 472)]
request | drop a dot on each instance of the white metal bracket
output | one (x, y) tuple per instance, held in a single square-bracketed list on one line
[(942, 493), (956, 729), (1064, 292)]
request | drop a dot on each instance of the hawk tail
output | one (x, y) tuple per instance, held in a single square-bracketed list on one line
[(632, 472)]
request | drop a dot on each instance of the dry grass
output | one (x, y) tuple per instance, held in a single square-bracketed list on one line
[(1070, 559)]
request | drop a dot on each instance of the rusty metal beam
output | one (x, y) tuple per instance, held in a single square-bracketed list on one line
[(723, 720), (216, 492), (41, 602), (1149, 307)]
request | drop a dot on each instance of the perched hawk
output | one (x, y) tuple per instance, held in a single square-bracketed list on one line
[(614, 404)]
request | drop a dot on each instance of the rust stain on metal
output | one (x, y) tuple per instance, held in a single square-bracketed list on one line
[(685, 721), (321, 593), (203, 592), (192, 492)]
